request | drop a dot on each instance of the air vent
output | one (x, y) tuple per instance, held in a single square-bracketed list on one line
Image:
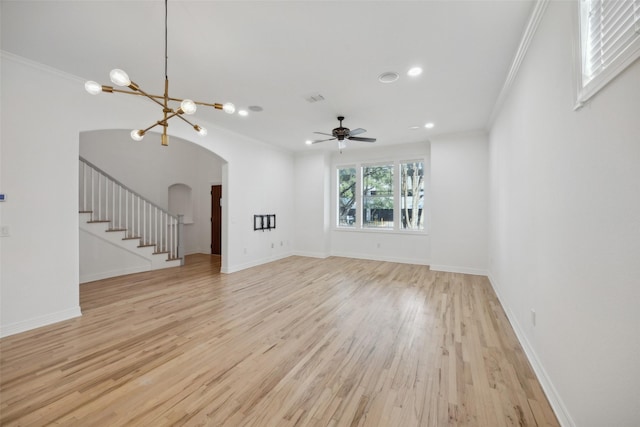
[(388, 77), (314, 97)]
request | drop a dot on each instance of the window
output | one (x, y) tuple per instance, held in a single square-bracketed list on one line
[(377, 196), (347, 197), (412, 195), (391, 195), (609, 42)]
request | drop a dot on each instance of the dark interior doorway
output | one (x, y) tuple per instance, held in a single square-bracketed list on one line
[(216, 219)]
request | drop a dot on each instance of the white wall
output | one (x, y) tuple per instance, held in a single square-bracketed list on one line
[(565, 228), (150, 169), (312, 198), (43, 113), (456, 218), (100, 259), (459, 200)]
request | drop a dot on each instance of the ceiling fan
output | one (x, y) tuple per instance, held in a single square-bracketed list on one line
[(341, 133)]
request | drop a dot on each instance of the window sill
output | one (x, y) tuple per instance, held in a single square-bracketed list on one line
[(381, 231)]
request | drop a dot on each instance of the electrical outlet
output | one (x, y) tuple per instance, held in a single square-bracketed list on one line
[(533, 317), (4, 231), (273, 245)]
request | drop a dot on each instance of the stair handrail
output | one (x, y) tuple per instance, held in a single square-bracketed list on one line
[(170, 241), (127, 188)]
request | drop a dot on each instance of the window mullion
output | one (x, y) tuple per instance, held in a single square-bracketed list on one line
[(359, 198), (397, 213)]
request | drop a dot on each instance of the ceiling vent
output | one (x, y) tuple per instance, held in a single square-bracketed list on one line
[(314, 97)]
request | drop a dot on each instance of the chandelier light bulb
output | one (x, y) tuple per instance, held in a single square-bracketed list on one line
[(202, 131), (188, 106), (137, 135), (92, 87), (229, 108), (119, 77)]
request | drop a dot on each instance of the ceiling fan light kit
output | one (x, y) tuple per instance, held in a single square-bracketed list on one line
[(341, 133), (187, 107)]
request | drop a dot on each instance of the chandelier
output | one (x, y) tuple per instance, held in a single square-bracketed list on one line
[(187, 106)]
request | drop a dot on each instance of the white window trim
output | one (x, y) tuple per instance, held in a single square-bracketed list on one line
[(357, 226), (585, 91)]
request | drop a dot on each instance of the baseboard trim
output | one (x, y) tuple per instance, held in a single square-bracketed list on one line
[(38, 322), (380, 258), (240, 267), (113, 273), (311, 254), (457, 269), (558, 406)]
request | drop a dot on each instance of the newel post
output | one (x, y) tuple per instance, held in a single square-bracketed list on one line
[(181, 239)]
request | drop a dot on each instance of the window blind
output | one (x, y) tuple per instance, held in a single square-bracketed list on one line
[(610, 39)]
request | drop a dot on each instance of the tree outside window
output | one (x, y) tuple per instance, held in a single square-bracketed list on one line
[(377, 196), (412, 195), (347, 197)]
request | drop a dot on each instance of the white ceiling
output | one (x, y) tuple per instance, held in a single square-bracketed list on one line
[(275, 53)]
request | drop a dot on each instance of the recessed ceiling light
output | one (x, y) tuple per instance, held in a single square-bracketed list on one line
[(255, 108), (414, 127), (415, 71), (243, 113), (308, 142), (388, 77), (429, 125)]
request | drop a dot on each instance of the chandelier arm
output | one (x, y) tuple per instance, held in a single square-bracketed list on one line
[(126, 92), (164, 123), (216, 105), (153, 98), (180, 117), (152, 126)]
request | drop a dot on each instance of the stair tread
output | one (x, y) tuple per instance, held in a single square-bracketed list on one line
[(146, 246), (86, 212), (115, 229), (131, 238), (95, 221)]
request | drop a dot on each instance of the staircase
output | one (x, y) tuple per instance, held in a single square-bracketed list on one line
[(127, 225)]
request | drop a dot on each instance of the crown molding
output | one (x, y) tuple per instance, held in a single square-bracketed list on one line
[(527, 36)]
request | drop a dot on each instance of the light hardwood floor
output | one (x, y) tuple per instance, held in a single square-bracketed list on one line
[(301, 341)]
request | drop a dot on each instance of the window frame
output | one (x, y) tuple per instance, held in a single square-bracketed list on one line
[(585, 90), (358, 225)]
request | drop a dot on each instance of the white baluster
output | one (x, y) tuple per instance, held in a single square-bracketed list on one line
[(126, 212), (113, 203), (119, 206), (155, 228)]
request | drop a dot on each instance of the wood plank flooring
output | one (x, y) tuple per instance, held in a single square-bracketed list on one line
[(297, 342)]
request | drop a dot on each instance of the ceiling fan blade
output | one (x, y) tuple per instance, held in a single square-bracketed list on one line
[(355, 132), (357, 138), (322, 133), (322, 140)]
